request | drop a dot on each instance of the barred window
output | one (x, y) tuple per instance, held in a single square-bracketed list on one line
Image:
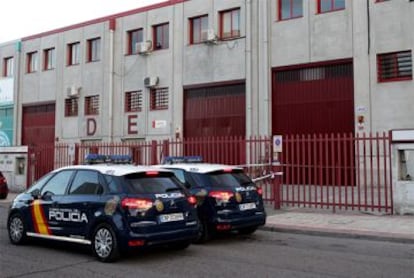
[(133, 101), (92, 105), (71, 107), (395, 66), (159, 99)]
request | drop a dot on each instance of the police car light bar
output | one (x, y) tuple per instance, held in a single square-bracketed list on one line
[(103, 158), (182, 159)]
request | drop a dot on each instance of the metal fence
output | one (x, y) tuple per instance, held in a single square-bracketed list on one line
[(326, 171)]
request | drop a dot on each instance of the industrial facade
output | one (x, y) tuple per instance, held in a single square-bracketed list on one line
[(212, 68)]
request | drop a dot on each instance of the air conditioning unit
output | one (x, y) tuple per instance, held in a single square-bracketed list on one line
[(150, 82), (144, 47), (73, 91), (208, 36)]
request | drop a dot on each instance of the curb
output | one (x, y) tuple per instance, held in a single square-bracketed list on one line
[(337, 234)]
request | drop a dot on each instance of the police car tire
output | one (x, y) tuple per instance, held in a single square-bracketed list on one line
[(205, 233), (3, 196), (248, 230), (104, 232), (16, 229)]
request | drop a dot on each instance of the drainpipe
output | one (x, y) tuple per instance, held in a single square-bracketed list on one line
[(16, 96), (112, 25), (248, 66)]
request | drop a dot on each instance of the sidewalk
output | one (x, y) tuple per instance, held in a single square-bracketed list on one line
[(355, 224)]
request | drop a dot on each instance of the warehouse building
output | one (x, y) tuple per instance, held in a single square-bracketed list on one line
[(193, 68)]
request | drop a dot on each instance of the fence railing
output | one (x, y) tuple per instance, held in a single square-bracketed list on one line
[(328, 171)]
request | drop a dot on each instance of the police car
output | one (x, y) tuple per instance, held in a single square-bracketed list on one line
[(228, 200), (111, 207)]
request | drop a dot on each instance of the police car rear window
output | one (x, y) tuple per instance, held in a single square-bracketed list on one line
[(218, 179), (143, 184)]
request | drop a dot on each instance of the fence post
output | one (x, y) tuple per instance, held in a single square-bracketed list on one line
[(154, 159), (277, 175)]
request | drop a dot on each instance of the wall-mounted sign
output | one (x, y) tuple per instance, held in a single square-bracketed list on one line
[(159, 124)]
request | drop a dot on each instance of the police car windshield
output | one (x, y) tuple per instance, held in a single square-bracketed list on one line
[(221, 179), (141, 184)]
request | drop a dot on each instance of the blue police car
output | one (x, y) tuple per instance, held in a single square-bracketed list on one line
[(228, 200), (111, 207)]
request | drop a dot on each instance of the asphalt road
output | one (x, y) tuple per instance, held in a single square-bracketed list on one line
[(264, 254)]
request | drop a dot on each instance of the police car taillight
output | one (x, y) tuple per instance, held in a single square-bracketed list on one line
[(192, 200), (260, 191), (137, 204), (223, 196)]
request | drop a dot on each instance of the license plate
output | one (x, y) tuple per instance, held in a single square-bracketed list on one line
[(247, 206), (171, 217)]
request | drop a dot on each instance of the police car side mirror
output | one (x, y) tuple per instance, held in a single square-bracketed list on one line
[(36, 194)]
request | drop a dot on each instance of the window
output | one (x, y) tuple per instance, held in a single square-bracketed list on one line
[(73, 54), (92, 105), (49, 59), (57, 184), (134, 37), (86, 183), (94, 50), (71, 107), (330, 5), (8, 67), (133, 101), (290, 9), (198, 29), (161, 36), (159, 99), (395, 66), (32, 62), (230, 24)]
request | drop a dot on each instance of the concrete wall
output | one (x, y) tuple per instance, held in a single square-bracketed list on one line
[(265, 43)]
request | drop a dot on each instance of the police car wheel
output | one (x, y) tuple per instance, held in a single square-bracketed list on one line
[(248, 230), (104, 244), (3, 195), (17, 231), (204, 233)]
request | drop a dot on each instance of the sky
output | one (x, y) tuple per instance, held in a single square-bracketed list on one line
[(29, 17)]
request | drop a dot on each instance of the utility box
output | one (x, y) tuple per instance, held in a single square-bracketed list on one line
[(403, 171), (13, 165)]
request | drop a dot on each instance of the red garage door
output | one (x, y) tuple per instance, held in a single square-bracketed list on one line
[(313, 99), (215, 111), (38, 125)]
